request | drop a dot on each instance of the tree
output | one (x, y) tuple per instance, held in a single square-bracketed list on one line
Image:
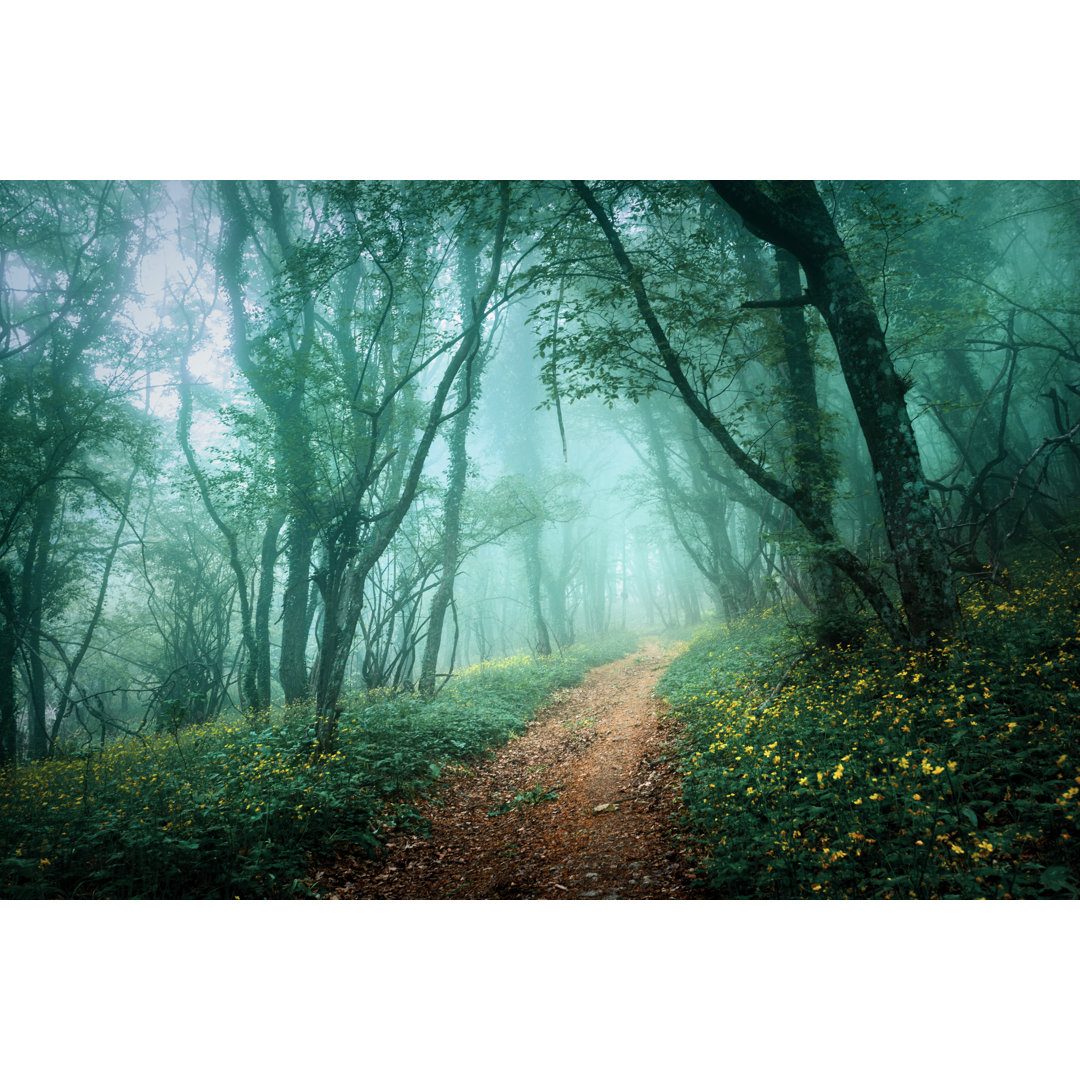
[(791, 215), (457, 471), (68, 257), (680, 370)]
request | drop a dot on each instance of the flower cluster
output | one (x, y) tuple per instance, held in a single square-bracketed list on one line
[(871, 771)]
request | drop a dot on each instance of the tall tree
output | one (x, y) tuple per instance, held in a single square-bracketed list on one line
[(804, 505), (791, 215), (457, 473)]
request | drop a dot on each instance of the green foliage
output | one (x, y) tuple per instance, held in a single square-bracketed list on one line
[(869, 772), (530, 797), (235, 807)]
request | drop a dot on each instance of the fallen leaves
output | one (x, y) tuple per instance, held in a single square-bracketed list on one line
[(570, 847)]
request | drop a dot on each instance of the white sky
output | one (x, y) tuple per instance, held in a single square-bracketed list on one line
[(482, 88)]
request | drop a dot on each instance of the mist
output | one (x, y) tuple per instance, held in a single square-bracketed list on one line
[(273, 442)]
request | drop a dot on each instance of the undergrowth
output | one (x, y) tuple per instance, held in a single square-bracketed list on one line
[(236, 807), (867, 771)]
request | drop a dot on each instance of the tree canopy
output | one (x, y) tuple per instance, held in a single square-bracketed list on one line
[(267, 440)]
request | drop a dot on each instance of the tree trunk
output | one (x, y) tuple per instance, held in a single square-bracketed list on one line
[(812, 471), (468, 391), (34, 578), (9, 639), (533, 571), (295, 611), (347, 561), (263, 602)]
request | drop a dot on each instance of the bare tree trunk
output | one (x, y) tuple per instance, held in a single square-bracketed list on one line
[(468, 391), (811, 469), (296, 612), (531, 544)]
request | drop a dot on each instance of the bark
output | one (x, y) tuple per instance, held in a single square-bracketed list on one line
[(296, 611), (533, 571), (811, 471)]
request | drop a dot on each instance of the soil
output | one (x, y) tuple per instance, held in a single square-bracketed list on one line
[(581, 806)]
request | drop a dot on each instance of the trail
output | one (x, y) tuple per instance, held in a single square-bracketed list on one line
[(605, 749)]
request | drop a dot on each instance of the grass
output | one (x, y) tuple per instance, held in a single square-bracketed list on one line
[(872, 772), (233, 808)]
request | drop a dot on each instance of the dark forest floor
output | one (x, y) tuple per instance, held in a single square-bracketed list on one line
[(582, 806)]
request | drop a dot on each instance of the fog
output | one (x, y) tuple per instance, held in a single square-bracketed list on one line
[(273, 443)]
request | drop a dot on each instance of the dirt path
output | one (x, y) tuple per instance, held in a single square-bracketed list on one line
[(604, 749)]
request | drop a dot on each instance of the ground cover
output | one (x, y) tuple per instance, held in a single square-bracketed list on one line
[(239, 807), (869, 771)]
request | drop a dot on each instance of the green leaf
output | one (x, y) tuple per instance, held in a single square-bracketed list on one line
[(1057, 879)]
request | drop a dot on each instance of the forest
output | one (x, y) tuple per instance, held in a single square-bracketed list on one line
[(314, 495)]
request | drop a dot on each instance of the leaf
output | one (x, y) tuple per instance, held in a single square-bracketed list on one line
[(1057, 879)]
